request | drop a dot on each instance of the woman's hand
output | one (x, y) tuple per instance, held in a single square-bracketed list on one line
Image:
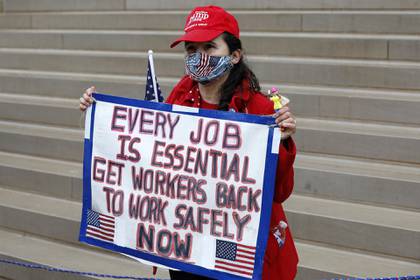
[(286, 121), (86, 100)]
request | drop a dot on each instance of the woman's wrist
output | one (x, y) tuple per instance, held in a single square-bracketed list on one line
[(286, 143)]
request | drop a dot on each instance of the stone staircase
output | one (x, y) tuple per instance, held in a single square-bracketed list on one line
[(350, 67)]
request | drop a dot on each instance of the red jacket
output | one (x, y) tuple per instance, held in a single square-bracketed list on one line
[(279, 263)]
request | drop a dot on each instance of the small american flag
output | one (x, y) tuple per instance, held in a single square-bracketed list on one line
[(235, 258), (150, 93), (100, 226)]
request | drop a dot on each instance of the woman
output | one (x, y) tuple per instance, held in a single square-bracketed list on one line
[(219, 79)]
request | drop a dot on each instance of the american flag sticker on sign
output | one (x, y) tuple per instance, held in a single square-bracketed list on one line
[(100, 226), (234, 258)]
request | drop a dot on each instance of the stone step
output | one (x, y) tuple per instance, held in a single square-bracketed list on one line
[(320, 261), (49, 177), (40, 140), (347, 103), (24, 247), (16, 272), (95, 5), (359, 139), (309, 102), (341, 72), (397, 106), (45, 216), (38, 109), (334, 177), (390, 106), (60, 5), (381, 22), (40, 89), (338, 45), (362, 22), (312, 266), (72, 85), (358, 180), (60, 219), (383, 230), (47, 110), (346, 138)]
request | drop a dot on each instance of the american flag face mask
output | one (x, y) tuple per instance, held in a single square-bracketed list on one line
[(203, 68)]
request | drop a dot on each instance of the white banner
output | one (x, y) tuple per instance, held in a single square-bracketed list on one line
[(190, 189)]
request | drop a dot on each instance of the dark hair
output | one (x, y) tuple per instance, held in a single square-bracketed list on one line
[(238, 73)]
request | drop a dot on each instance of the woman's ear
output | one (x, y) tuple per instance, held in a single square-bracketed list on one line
[(236, 56)]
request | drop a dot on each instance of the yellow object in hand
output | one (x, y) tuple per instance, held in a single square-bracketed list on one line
[(277, 102)]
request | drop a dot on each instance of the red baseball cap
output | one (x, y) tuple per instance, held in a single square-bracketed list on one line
[(206, 23)]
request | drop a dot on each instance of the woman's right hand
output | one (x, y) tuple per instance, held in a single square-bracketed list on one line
[(86, 100)]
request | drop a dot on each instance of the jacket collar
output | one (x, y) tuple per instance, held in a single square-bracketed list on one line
[(191, 96)]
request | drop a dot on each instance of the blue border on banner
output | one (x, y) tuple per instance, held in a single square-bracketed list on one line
[(267, 198), (87, 159), (267, 201)]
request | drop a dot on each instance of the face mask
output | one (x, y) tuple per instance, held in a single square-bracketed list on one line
[(203, 68)]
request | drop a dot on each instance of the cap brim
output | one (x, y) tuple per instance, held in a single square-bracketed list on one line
[(197, 36)]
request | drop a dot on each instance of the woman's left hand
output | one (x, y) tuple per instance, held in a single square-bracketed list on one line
[(286, 121)]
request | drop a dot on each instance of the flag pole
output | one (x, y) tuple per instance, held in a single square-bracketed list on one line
[(152, 70)]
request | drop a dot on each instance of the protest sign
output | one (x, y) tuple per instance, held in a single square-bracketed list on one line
[(187, 188)]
